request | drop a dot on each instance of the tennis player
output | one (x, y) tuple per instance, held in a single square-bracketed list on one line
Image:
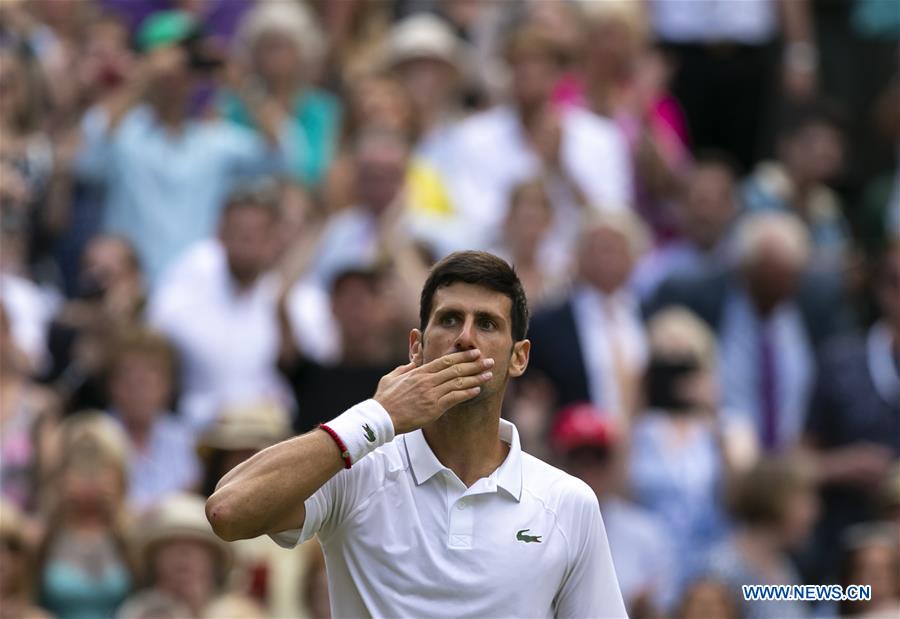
[(424, 503)]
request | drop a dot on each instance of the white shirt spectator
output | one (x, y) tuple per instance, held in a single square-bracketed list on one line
[(491, 156), (227, 338), (404, 537), (29, 310), (753, 22), (598, 319)]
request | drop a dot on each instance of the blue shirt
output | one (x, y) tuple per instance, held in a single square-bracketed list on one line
[(164, 189), (316, 122)]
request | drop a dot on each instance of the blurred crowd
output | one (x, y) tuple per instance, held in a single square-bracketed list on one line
[(217, 215)]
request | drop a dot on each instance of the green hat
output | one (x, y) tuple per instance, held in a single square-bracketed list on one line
[(165, 28)]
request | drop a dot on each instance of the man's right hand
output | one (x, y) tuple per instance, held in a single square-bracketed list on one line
[(414, 396)]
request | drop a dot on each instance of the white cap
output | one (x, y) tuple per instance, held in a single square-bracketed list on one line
[(423, 35)]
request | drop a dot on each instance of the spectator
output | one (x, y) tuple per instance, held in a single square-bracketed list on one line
[(166, 173), (767, 313), (853, 427), (584, 155), (810, 153), (428, 59), (238, 433), (592, 347), (264, 571), (102, 62), (374, 102), (704, 214), (592, 448), (678, 462), (363, 314), (708, 598), (16, 566), (218, 309), (110, 297), (774, 506), (28, 203), (161, 458), (182, 557), (526, 227), (27, 414), (29, 311), (726, 68), (85, 570), (381, 228), (281, 46), (356, 30), (626, 80), (871, 557)]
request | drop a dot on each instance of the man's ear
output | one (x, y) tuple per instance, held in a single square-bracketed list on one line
[(415, 347), (518, 361)]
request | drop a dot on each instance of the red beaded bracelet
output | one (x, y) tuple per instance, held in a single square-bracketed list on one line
[(337, 439)]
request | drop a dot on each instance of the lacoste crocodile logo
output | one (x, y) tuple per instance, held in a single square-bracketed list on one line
[(527, 538), (370, 433)]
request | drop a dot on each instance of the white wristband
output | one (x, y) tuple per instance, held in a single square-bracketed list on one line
[(363, 428)]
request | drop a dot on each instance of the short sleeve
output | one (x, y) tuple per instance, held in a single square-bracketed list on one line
[(590, 587), (332, 504)]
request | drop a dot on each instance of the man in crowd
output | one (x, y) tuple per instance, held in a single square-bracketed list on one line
[(768, 314), (853, 427), (706, 212), (166, 171), (584, 156), (217, 306), (365, 323), (452, 518), (592, 348)]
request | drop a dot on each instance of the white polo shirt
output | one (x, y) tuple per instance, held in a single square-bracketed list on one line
[(404, 537)]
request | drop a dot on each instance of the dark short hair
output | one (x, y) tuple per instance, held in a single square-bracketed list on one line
[(797, 117), (372, 276), (481, 269)]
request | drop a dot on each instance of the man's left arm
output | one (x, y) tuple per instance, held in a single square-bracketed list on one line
[(590, 588)]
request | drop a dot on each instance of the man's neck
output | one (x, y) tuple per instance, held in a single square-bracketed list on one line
[(466, 439)]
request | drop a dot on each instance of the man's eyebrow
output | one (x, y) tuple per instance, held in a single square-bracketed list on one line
[(442, 311)]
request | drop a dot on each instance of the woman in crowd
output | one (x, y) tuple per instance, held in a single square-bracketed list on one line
[(31, 202), (281, 46), (626, 80), (84, 570), (181, 557), (141, 380), (27, 411), (677, 462), (774, 506)]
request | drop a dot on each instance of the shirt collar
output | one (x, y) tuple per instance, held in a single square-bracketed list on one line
[(508, 476)]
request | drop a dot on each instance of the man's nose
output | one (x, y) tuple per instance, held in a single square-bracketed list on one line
[(465, 339)]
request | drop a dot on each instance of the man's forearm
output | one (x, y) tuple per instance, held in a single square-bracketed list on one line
[(266, 493)]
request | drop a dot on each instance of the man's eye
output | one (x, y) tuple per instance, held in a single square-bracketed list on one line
[(448, 321), (488, 324)]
